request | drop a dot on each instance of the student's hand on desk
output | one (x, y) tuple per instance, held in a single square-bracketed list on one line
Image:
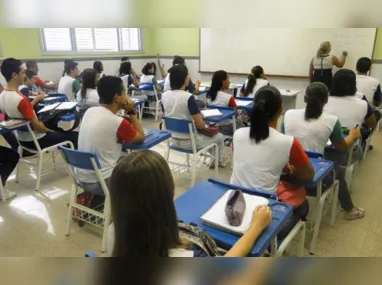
[(40, 97), (261, 217), (355, 133), (197, 83)]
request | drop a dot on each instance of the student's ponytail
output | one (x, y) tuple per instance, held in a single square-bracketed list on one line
[(316, 98), (216, 84), (267, 105), (256, 73)]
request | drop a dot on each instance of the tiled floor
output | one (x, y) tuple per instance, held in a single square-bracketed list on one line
[(34, 223)]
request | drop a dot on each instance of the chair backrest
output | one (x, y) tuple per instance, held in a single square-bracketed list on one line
[(313, 154), (177, 125), (80, 159)]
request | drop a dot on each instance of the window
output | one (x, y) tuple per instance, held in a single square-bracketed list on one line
[(91, 39)]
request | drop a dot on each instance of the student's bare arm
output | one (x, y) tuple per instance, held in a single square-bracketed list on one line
[(304, 172), (38, 126), (199, 122), (347, 143), (371, 122), (140, 136)]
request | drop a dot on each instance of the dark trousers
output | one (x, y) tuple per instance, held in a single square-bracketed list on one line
[(11, 140), (8, 161), (53, 138), (299, 213)]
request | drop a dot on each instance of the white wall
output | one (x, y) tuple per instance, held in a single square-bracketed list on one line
[(53, 71)]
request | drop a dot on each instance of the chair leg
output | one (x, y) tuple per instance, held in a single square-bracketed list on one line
[(334, 203), (20, 151), (317, 223), (2, 192), (54, 160), (217, 161), (188, 162), (302, 240), (73, 194), (106, 223), (39, 170), (193, 169), (156, 111)]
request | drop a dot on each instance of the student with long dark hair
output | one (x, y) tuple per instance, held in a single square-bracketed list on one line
[(256, 79), (313, 128), (68, 84), (350, 107), (151, 212), (179, 104), (148, 76), (262, 154), (217, 97), (88, 96)]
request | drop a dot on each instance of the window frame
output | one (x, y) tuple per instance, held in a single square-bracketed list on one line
[(74, 50)]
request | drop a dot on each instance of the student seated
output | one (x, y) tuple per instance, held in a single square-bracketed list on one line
[(313, 128), (98, 66), (179, 104), (148, 76), (256, 80), (151, 212), (88, 96), (217, 97), (27, 88), (69, 84), (102, 131), (8, 162), (17, 106), (367, 85), (261, 154), (32, 66), (163, 72), (350, 109), (129, 78)]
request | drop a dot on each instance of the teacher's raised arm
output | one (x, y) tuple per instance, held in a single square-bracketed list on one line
[(321, 65)]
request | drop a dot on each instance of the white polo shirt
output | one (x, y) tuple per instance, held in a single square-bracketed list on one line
[(223, 100), (103, 132), (167, 85), (313, 134), (369, 86), (260, 82), (350, 110), (92, 98), (323, 62), (65, 86), (179, 104), (260, 165), (147, 79), (17, 106)]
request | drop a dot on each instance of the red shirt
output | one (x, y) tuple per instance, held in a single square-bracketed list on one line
[(39, 82)]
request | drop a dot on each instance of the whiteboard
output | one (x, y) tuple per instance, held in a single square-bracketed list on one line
[(279, 51)]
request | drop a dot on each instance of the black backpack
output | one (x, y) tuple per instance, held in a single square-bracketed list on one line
[(51, 119)]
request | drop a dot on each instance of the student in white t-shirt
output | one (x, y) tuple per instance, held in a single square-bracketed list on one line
[(16, 106), (102, 131), (350, 109), (68, 84), (256, 80), (261, 154), (313, 128), (217, 97), (148, 76), (144, 216), (367, 85), (129, 78), (179, 104), (88, 96)]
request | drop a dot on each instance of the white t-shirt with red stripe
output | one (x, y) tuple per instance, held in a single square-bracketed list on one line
[(17, 106), (103, 132), (223, 100)]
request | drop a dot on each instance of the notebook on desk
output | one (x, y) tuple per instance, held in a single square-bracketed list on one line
[(242, 103), (147, 132), (59, 106), (209, 113), (11, 124), (215, 217)]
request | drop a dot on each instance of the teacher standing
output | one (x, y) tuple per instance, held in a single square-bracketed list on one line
[(321, 65)]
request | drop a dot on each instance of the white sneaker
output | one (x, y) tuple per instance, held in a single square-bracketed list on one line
[(8, 194)]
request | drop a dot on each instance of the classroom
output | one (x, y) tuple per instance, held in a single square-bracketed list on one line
[(185, 143)]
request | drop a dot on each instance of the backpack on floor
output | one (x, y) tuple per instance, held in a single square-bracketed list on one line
[(198, 238)]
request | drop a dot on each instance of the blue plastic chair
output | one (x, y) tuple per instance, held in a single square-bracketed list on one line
[(150, 88), (186, 127), (86, 161)]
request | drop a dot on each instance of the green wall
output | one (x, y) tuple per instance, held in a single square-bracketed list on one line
[(25, 43)]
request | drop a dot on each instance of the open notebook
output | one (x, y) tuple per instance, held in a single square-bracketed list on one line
[(59, 106), (147, 131), (215, 216), (211, 113), (10, 124), (242, 103)]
